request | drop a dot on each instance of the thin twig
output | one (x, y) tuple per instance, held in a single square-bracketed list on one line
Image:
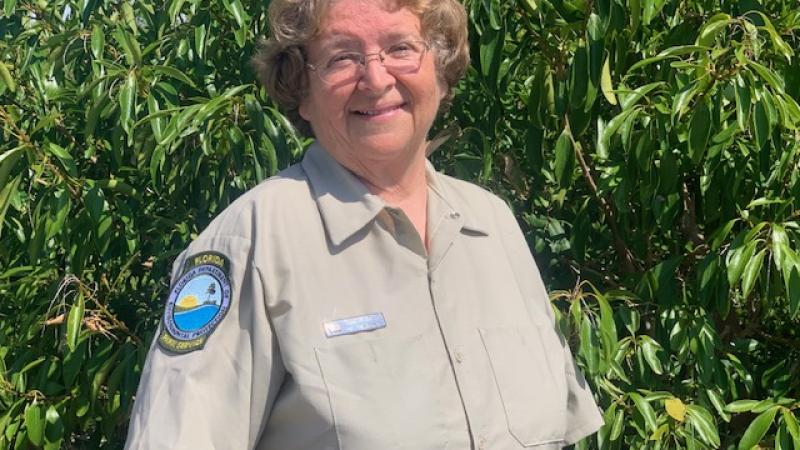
[(628, 262)]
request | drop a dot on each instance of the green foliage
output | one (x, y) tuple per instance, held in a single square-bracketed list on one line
[(126, 126), (650, 148)]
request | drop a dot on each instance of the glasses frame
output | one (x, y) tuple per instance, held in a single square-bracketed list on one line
[(380, 56)]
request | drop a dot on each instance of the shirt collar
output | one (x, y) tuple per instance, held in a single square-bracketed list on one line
[(442, 199), (346, 206)]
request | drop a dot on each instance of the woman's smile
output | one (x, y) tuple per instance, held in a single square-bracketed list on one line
[(381, 112)]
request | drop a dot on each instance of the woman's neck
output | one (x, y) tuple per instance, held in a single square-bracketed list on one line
[(400, 184)]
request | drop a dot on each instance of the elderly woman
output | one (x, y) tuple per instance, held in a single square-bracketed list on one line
[(360, 300)]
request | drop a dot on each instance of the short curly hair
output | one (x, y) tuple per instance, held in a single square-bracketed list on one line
[(280, 62)]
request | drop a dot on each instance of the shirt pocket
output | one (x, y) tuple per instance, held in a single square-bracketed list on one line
[(391, 393), (528, 368)]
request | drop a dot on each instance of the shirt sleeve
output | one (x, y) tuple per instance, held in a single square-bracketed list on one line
[(218, 395), (583, 415)]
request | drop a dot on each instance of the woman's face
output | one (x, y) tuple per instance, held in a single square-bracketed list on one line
[(381, 117)]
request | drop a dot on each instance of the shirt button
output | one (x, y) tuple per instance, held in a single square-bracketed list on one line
[(454, 215), (458, 357), (481, 443)]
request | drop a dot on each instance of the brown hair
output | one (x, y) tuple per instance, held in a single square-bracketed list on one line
[(280, 62)]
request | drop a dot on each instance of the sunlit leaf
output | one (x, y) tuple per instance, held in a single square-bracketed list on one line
[(757, 429), (74, 321), (675, 408), (35, 423)]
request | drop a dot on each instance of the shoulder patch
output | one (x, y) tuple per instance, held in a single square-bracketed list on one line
[(197, 303)]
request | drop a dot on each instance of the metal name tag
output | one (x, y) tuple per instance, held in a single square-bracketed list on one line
[(353, 325)]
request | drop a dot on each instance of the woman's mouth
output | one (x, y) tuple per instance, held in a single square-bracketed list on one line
[(379, 112)]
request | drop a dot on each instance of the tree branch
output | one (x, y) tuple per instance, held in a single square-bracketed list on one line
[(628, 262)]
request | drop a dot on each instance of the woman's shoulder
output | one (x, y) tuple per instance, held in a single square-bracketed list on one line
[(471, 194), (270, 199)]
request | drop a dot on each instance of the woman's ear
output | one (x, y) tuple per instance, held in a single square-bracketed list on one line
[(302, 109)]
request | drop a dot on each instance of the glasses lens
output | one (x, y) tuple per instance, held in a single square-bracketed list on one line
[(341, 67), (346, 67), (404, 57)]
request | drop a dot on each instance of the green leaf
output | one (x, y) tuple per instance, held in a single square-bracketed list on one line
[(9, 6), (98, 41), (709, 31), (95, 202), (761, 125), (699, 132), (718, 403), (589, 346), (608, 328), (172, 73), (752, 271), (743, 102), (100, 376), (645, 410), (565, 159), (237, 11), (5, 76), (793, 289), (8, 161), (127, 99), (64, 157), (650, 348), (130, 46), (777, 41), (606, 84), (579, 79), (74, 321), (73, 360), (616, 123), (703, 423), (174, 10), (491, 55), (630, 99), (683, 99), (766, 74), (757, 429), (35, 423), (636, 14), (791, 425), (737, 259), (6, 194), (670, 53), (740, 406), (54, 429)]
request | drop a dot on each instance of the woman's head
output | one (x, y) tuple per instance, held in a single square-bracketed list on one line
[(282, 62)]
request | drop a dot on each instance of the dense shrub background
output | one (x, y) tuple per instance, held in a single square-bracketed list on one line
[(649, 147)]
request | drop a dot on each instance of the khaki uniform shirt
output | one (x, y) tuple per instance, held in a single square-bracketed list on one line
[(469, 357)]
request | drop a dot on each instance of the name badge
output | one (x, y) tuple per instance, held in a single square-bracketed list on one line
[(352, 325)]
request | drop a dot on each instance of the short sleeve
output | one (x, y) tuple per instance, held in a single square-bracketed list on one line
[(217, 391), (583, 415)]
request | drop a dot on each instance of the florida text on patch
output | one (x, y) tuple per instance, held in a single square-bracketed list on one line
[(197, 303)]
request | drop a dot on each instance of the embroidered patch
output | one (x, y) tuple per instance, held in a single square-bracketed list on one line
[(197, 303)]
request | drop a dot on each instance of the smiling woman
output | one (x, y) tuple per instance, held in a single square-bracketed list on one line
[(374, 302)]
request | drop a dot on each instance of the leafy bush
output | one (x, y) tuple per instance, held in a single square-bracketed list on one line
[(650, 148)]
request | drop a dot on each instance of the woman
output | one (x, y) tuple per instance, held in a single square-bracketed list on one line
[(360, 300)]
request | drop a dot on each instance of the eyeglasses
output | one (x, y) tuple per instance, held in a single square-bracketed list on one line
[(346, 67)]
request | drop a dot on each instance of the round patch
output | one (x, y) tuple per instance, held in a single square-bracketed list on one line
[(197, 302)]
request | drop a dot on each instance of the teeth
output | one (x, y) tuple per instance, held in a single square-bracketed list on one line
[(375, 113)]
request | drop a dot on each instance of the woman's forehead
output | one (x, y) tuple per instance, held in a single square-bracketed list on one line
[(351, 21)]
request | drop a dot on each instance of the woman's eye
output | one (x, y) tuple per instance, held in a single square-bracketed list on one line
[(403, 49), (344, 60)]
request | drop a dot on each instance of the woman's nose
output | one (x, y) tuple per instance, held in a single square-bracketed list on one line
[(375, 77)]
